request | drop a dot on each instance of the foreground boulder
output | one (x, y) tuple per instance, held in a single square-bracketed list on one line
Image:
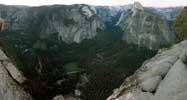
[(10, 79), (174, 83), (162, 77), (150, 84), (60, 97)]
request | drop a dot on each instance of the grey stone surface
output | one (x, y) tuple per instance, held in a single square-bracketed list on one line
[(15, 73), (157, 66), (172, 85), (59, 97), (9, 89), (150, 84), (142, 96)]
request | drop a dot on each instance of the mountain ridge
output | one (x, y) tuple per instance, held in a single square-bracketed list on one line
[(49, 42), (71, 27)]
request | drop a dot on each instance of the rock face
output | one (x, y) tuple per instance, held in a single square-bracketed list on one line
[(143, 28), (73, 23), (162, 77), (150, 84), (15, 73), (60, 97), (137, 9), (109, 13), (10, 77), (174, 84)]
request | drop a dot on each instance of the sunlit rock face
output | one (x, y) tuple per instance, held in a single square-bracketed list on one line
[(11, 81), (143, 28), (137, 9), (162, 77), (72, 23), (60, 97)]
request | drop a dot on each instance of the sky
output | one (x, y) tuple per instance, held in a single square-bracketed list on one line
[(154, 3)]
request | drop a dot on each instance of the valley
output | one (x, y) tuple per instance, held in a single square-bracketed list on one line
[(91, 49)]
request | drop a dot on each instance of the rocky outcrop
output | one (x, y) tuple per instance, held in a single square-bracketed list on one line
[(60, 97), (15, 73), (137, 9), (162, 77), (11, 80), (173, 86), (143, 28)]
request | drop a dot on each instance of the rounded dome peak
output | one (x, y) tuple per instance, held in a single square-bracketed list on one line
[(138, 5)]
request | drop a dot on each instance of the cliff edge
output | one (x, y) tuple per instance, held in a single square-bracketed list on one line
[(162, 77), (11, 80)]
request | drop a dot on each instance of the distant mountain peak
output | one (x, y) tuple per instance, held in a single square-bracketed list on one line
[(138, 6), (137, 9)]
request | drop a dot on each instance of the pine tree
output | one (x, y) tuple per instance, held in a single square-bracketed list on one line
[(180, 26)]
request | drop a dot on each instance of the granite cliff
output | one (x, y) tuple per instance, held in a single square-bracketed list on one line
[(146, 27), (11, 81), (143, 28), (73, 23)]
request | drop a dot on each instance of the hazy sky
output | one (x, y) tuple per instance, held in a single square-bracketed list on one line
[(157, 3)]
